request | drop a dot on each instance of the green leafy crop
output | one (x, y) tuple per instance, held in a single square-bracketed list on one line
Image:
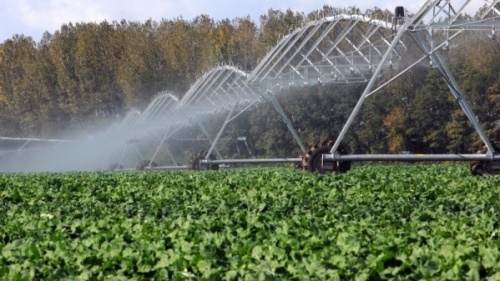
[(414, 222)]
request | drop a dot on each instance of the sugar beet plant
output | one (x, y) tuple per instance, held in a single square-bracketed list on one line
[(372, 223)]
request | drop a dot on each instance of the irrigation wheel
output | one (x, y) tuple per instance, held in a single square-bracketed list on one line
[(114, 167), (480, 168), (311, 159), (194, 162), (299, 164), (145, 163)]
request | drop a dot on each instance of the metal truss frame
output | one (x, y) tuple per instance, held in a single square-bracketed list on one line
[(340, 48)]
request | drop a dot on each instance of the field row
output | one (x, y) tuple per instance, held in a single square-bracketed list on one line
[(375, 222)]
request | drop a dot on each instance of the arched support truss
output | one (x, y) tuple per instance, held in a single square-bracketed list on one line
[(341, 48)]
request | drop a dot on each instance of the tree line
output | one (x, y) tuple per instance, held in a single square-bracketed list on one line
[(90, 74)]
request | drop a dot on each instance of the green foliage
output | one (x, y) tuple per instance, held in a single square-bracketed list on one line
[(395, 124), (375, 222)]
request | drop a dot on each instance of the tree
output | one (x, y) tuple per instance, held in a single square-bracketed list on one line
[(394, 122), (19, 73), (431, 110), (460, 133), (275, 25), (203, 27), (245, 39), (223, 42), (63, 56), (178, 45), (99, 96), (142, 70)]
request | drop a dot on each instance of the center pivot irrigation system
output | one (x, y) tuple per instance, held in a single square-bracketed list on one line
[(343, 47)]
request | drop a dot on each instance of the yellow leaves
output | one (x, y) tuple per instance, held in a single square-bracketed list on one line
[(394, 122), (493, 93)]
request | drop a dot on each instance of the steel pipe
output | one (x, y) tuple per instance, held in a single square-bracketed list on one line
[(410, 157), (252, 161)]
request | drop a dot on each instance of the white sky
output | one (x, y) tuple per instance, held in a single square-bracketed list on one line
[(34, 17)]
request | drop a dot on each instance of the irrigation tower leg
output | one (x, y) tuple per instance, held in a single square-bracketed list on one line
[(124, 151), (415, 19), (277, 106), (141, 156), (440, 63), (229, 119), (167, 136), (214, 142), (202, 128), (109, 159)]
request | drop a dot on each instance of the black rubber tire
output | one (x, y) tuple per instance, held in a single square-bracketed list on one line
[(311, 159), (476, 168), (145, 163), (343, 166), (115, 167), (298, 165), (481, 168), (314, 159), (306, 156), (194, 162)]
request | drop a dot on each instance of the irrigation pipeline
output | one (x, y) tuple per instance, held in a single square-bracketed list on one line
[(366, 157), (252, 161), (411, 157), (344, 47)]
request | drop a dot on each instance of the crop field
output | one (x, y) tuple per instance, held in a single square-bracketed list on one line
[(405, 222)]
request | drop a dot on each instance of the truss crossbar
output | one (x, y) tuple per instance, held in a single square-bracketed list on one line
[(343, 48)]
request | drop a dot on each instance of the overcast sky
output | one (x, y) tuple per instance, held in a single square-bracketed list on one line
[(34, 17)]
